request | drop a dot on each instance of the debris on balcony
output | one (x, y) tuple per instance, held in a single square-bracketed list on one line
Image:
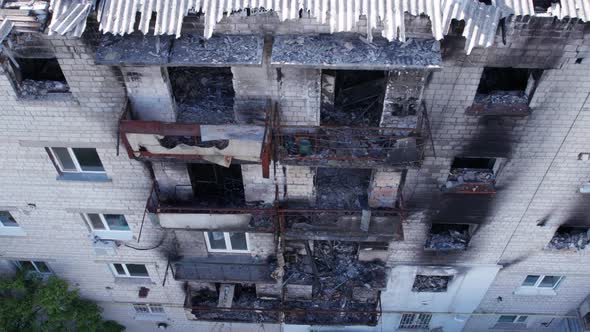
[(576, 238), (431, 284), (33, 89), (461, 175), (471, 174), (344, 188), (203, 95), (448, 237), (502, 97)]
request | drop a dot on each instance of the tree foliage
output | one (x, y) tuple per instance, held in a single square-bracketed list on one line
[(28, 303)]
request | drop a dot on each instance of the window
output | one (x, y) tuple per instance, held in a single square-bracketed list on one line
[(36, 77), (415, 321), (512, 319), (77, 160), (227, 242), (470, 174), (570, 238), (431, 284), (449, 236), (129, 270), (148, 308), (33, 267), (6, 220), (109, 222), (542, 281)]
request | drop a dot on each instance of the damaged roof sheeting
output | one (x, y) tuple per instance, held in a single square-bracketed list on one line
[(69, 17), (118, 16), (5, 28), (349, 51)]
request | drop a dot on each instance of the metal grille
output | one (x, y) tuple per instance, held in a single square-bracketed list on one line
[(415, 321), (141, 308), (156, 308)]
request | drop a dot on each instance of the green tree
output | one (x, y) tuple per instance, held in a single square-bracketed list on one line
[(27, 303)]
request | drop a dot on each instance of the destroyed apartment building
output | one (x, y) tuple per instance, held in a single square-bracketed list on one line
[(285, 165)]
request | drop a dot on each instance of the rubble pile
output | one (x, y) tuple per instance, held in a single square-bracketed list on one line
[(447, 238), (570, 238), (502, 97), (171, 142), (36, 89), (342, 188), (430, 283), (203, 95), (471, 175)]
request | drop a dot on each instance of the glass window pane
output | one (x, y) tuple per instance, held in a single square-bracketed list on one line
[(64, 159), (238, 241), (506, 319), (156, 309), (521, 319), (7, 220), (216, 240), (119, 268), (530, 280), (95, 221), (549, 281), (27, 266), (42, 267), (141, 308), (116, 222), (88, 159), (137, 270)]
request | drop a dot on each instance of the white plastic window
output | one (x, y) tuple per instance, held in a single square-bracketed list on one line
[(542, 281), (33, 266), (107, 222), (6, 220), (148, 308), (129, 270), (236, 242), (415, 321), (77, 160)]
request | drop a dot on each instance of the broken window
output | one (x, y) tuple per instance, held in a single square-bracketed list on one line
[(352, 97), (37, 77), (541, 6), (7, 220), (473, 174), (342, 188), (415, 321), (431, 284), (449, 236), (217, 185), (507, 86), (129, 270), (37, 267), (203, 95), (77, 160), (542, 281), (227, 242), (567, 237)]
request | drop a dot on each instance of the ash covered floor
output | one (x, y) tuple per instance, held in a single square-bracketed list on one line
[(344, 188), (203, 95)]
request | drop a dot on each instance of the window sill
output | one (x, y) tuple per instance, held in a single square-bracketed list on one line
[(133, 281), (480, 109), (114, 235), (49, 97), (12, 231), (534, 291), (87, 177), (151, 317)]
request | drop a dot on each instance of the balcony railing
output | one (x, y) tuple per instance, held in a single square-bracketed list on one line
[(224, 268)]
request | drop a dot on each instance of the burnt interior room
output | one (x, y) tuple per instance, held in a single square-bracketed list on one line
[(203, 95), (541, 6), (217, 185), (448, 237), (345, 188), (507, 85), (475, 163), (570, 237), (431, 283), (358, 98), (477, 170), (39, 76)]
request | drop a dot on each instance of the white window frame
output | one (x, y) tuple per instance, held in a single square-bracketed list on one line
[(149, 307), (2, 225), (37, 271), (414, 324), (108, 233), (107, 228), (540, 279), (74, 160), (516, 319), (127, 274), (227, 243)]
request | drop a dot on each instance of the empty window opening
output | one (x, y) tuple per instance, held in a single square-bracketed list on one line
[(342, 187), (236, 242), (541, 6), (7, 220), (107, 222), (507, 86), (431, 284), (36, 77), (576, 238), (542, 281), (217, 185), (123, 270), (415, 321), (449, 236), (77, 160), (37, 267), (203, 95), (468, 171), (579, 60), (355, 98)]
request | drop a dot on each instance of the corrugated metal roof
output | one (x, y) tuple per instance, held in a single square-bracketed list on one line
[(5, 28), (119, 16), (69, 17)]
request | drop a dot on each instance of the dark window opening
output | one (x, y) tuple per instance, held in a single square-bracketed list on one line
[(449, 236), (38, 77), (345, 188), (568, 237), (431, 284), (217, 185), (472, 175), (203, 95), (587, 320), (487, 2), (541, 6), (352, 97), (579, 60), (507, 86), (480, 163)]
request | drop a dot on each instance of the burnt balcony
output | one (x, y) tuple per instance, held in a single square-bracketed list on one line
[(224, 268), (375, 225), (209, 212), (473, 175), (219, 142), (358, 147)]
